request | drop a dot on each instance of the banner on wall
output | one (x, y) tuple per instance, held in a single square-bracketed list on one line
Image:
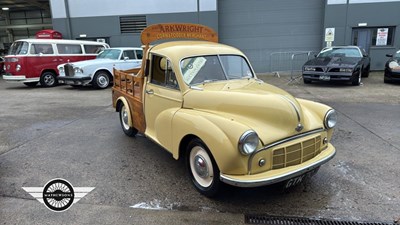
[(382, 36)]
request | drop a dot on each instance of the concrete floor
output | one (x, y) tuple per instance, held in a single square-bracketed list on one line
[(74, 133)]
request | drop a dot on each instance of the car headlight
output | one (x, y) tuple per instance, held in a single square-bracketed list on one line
[(18, 67), (61, 69), (309, 68), (330, 119), (78, 70), (346, 70), (248, 142)]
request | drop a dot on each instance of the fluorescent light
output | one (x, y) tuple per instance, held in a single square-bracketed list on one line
[(362, 24), (5, 8)]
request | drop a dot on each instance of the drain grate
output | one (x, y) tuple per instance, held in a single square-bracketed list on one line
[(275, 220)]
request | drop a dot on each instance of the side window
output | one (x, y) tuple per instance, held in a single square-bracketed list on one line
[(162, 73), (42, 48), (139, 54), (93, 49), (69, 49), (128, 53)]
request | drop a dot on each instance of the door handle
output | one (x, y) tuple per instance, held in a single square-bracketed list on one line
[(150, 92)]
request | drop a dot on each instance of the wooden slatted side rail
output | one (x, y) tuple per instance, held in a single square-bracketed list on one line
[(129, 82)]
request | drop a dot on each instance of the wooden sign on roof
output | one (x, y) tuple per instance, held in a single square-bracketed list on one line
[(178, 31)]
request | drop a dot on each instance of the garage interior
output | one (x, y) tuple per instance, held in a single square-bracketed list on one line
[(22, 19)]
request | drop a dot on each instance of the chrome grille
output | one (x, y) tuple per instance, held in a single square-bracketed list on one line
[(68, 70), (296, 153)]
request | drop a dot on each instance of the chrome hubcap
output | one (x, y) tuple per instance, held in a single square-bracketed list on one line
[(102, 81), (49, 79), (124, 117), (200, 165)]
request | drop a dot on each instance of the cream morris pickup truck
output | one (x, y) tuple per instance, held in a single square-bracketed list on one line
[(202, 101)]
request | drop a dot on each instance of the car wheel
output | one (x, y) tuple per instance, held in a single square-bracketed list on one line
[(307, 81), (48, 79), (202, 169), (31, 84), (366, 72), (123, 118), (385, 80), (356, 80), (101, 80)]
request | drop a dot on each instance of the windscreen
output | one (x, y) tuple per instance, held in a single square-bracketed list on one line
[(19, 48), (204, 69), (109, 54), (340, 52)]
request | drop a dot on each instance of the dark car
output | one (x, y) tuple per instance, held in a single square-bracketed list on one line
[(392, 68), (1, 65), (338, 63)]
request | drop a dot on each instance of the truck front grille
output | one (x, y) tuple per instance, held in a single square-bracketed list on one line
[(296, 153), (68, 70)]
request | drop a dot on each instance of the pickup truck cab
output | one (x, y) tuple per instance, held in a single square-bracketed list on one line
[(202, 101)]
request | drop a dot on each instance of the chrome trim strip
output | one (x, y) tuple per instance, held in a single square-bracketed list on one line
[(276, 179), (294, 106), (281, 142)]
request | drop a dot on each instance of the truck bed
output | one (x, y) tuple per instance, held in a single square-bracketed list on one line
[(129, 84)]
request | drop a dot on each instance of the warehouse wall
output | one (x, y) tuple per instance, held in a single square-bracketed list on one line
[(346, 16), (98, 23), (260, 28)]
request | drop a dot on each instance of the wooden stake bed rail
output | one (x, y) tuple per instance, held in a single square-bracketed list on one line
[(126, 81), (129, 84)]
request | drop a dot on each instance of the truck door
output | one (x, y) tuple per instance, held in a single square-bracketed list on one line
[(162, 98)]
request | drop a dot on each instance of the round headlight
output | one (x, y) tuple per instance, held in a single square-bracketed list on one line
[(248, 142), (330, 119), (78, 70)]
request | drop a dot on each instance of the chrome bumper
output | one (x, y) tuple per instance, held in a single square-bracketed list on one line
[(263, 179), (19, 79)]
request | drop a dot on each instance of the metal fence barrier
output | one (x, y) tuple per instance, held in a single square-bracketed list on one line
[(290, 63)]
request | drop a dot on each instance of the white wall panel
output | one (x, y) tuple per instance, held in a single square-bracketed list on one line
[(93, 8)]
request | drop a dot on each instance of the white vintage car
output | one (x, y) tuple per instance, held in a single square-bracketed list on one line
[(98, 72)]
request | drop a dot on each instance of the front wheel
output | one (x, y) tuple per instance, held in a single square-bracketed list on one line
[(202, 169), (48, 79), (306, 81), (101, 80), (356, 80), (124, 118)]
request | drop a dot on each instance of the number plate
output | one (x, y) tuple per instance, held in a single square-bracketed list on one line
[(297, 180), (325, 78)]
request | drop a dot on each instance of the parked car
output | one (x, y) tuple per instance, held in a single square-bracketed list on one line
[(31, 61), (1, 65), (392, 68), (202, 102), (338, 63), (98, 72)]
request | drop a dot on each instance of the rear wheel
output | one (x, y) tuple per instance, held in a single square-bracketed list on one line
[(48, 79), (124, 118), (101, 80), (202, 169), (31, 84)]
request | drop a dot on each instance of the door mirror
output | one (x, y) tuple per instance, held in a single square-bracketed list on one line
[(126, 58)]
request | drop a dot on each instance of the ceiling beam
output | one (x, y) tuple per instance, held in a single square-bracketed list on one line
[(25, 26), (38, 4)]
